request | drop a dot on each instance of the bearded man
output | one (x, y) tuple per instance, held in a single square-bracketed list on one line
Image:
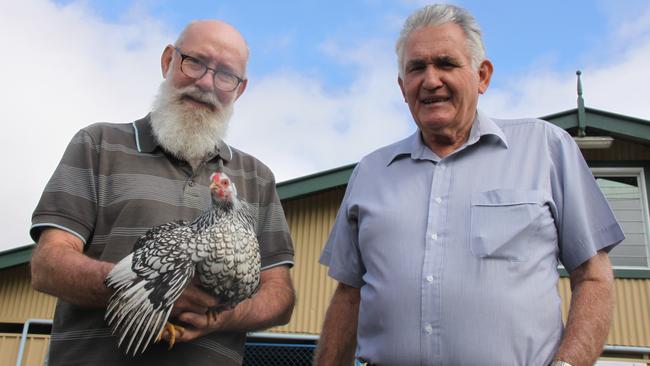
[(115, 181)]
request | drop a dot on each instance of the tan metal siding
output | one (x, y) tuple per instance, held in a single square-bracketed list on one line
[(310, 220), (18, 301), (631, 323), (34, 353)]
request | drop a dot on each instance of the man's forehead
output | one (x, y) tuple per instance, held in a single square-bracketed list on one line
[(445, 40)]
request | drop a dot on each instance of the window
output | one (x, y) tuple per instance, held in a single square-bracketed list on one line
[(626, 193)]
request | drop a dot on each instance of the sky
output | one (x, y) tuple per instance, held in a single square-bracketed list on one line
[(322, 88)]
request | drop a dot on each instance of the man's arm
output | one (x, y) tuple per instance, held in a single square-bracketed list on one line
[(272, 305), (60, 268), (590, 314), (338, 338)]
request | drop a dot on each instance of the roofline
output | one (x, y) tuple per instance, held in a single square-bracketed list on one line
[(636, 129), (16, 256), (316, 182)]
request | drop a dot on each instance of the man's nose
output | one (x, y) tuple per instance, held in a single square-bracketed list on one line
[(432, 78), (206, 82)]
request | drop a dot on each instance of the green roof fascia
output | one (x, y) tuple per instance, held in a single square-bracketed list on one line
[(618, 123), (315, 182), (603, 120), (565, 120), (16, 256)]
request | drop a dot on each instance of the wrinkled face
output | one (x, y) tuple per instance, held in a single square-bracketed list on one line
[(219, 47), (439, 83), (221, 186)]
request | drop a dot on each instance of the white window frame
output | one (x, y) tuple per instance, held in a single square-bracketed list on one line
[(639, 173)]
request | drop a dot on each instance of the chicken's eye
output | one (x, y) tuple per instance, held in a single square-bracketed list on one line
[(225, 182)]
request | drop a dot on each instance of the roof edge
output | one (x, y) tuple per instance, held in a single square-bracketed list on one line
[(316, 182), (16, 256)]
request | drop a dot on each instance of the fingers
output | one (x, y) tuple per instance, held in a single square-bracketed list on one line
[(195, 300)]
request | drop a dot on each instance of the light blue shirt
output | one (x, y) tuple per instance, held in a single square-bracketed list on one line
[(457, 258)]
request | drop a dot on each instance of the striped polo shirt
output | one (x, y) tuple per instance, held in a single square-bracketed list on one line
[(114, 183)]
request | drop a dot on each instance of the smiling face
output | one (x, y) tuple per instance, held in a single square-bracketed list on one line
[(439, 83)]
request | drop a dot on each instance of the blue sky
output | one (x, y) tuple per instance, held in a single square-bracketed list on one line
[(322, 90)]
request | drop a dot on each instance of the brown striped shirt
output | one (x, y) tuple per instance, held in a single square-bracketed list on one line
[(115, 182)]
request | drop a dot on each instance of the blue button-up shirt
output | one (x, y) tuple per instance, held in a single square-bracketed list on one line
[(457, 257)]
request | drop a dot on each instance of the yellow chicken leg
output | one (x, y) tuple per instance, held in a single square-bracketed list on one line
[(172, 329)]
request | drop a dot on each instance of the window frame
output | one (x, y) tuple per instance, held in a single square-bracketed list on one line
[(639, 173)]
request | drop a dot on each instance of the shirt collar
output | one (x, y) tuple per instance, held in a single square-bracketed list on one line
[(413, 145), (146, 142)]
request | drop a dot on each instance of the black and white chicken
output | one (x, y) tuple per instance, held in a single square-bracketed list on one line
[(219, 247)]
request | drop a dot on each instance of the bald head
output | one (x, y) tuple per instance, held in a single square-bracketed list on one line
[(216, 31)]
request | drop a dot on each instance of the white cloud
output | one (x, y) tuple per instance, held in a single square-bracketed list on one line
[(291, 123), (64, 68), (615, 81)]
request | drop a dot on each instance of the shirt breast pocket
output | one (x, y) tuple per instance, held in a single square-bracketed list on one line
[(503, 222)]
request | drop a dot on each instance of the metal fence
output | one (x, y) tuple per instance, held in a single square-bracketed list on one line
[(278, 354)]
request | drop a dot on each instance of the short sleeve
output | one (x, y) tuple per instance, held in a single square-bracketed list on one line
[(69, 200), (341, 253), (276, 247), (584, 220)]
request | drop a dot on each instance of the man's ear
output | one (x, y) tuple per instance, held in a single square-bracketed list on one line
[(485, 70), (166, 59), (401, 87), (241, 88)]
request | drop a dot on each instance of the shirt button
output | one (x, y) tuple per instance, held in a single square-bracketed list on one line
[(429, 278), (438, 199), (434, 236), (428, 329)]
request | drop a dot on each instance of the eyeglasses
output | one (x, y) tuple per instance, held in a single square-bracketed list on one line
[(194, 68)]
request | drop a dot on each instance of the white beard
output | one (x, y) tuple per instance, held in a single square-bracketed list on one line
[(189, 133)]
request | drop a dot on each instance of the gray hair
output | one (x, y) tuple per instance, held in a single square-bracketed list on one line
[(433, 15)]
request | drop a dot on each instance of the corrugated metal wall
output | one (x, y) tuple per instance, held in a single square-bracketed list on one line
[(34, 353), (18, 302), (310, 220)]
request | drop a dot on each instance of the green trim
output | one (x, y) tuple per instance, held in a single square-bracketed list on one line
[(315, 182), (620, 273), (565, 120), (635, 128), (16, 256)]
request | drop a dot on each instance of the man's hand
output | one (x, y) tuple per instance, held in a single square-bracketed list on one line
[(271, 305), (193, 300)]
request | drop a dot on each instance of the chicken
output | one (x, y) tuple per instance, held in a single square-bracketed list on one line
[(219, 248)]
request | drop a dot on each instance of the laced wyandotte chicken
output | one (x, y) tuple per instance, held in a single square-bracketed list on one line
[(219, 247)]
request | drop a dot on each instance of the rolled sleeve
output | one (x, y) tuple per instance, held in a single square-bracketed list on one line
[(341, 253), (585, 222)]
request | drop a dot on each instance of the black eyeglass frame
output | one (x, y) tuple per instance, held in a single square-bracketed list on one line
[(205, 70)]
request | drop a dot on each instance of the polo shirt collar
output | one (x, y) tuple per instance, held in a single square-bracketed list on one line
[(146, 142), (414, 146)]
